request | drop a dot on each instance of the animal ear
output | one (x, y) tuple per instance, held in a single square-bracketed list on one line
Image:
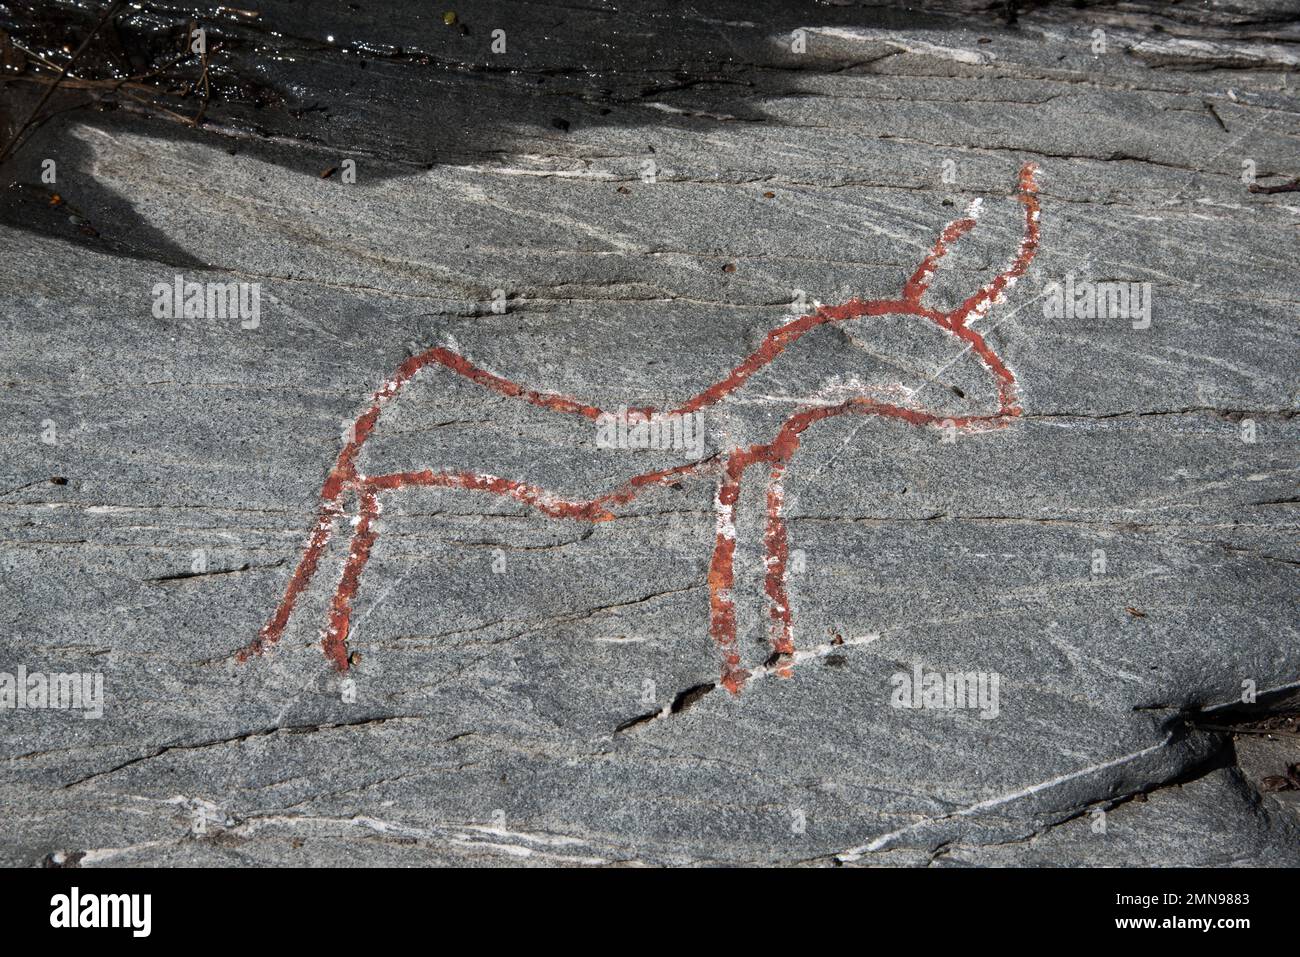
[(919, 283)]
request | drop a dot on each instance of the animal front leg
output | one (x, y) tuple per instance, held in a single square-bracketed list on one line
[(334, 642), (777, 544)]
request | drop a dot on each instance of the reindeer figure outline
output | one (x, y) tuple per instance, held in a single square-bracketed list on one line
[(345, 480)]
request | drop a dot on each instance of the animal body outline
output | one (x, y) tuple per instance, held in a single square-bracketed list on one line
[(729, 469)]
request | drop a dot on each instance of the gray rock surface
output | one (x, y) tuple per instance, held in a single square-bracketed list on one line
[(650, 190)]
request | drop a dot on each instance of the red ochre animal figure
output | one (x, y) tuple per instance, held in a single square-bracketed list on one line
[(345, 481)]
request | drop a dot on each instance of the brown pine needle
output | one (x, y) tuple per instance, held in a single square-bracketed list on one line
[(108, 14)]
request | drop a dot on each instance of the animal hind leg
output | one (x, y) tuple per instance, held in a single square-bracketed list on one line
[(722, 612), (334, 642), (329, 513)]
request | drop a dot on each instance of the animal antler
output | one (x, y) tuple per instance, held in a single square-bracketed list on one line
[(344, 477)]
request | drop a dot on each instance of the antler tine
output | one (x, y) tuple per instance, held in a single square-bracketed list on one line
[(992, 292)]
